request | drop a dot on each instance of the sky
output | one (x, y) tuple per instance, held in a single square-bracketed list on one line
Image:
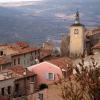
[(17, 0), (47, 19), (43, 0)]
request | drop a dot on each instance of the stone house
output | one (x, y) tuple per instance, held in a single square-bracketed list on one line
[(26, 57), (19, 53), (53, 92), (5, 62), (16, 82)]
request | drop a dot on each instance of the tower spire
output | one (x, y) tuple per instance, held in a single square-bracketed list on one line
[(77, 18)]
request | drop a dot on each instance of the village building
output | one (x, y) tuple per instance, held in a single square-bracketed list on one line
[(94, 35), (53, 92), (45, 54), (19, 53), (5, 62), (46, 72), (17, 82)]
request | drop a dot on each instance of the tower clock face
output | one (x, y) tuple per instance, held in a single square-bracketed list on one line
[(76, 31)]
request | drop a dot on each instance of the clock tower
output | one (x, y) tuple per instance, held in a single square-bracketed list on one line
[(77, 31)]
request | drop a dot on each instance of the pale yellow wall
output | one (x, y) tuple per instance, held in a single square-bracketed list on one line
[(77, 40), (25, 59)]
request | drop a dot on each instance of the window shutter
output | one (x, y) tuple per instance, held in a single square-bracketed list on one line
[(53, 76)]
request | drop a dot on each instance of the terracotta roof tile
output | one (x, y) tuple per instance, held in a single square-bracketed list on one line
[(62, 62), (25, 50), (20, 70), (45, 53), (20, 48), (16, 72)]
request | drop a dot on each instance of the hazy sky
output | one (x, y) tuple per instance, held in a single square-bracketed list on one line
[(17, 0), (42, 0)]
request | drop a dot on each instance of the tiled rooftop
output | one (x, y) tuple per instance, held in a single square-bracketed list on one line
[(19, 48), (16, 72), (20, 70), (62, 62), (45, 53), (25, 50)]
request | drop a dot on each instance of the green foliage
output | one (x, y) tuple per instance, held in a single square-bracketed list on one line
[(43, 86)]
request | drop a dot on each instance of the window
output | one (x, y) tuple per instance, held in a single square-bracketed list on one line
[(35, 52), (1, 53), (64, 74), (31, 58), (32, 79), (28, 78), (17, 90), (18, 60), (9, 89), (50, 76), (16, 87), (24, 55), (14, 61), (40, 96), (24, 62), (2, 91)]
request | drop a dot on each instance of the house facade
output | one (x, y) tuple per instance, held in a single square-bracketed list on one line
[(19, 53), (17, 82), (26, 58), (65, 64), (46, 72)]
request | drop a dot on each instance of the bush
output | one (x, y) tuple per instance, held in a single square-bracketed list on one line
[(43, 86)]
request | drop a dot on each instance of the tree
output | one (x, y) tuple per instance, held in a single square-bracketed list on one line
[(84, 85), (65, 45)]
